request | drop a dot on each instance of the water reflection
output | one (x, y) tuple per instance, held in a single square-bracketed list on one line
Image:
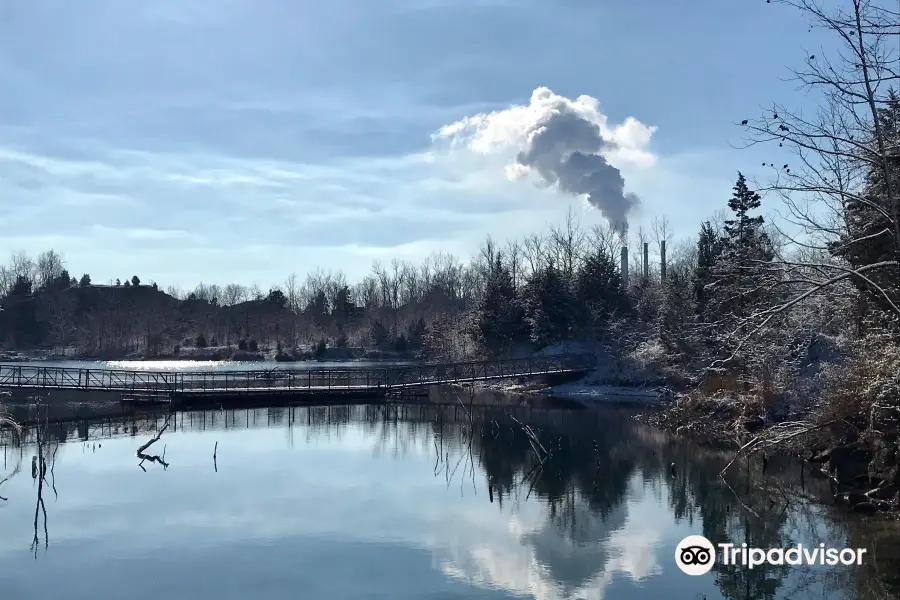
[(496, 498)]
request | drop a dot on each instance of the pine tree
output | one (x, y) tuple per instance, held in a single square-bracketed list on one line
[(676, 313), (869, 237), (739, 275), (598, 289), (709, 248), (498, 317), (548, 307)]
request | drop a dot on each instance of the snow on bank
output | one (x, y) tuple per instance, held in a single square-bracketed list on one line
[(592, 393), (584, 391)]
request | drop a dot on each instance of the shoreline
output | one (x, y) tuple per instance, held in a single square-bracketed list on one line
[(715, 424), (579, 390)]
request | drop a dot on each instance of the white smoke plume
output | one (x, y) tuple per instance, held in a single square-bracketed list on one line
[(566, 143)]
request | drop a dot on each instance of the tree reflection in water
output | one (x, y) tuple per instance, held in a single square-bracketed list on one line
[(582, 465), (593, 457)]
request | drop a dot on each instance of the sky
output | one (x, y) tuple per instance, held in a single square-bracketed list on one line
[(243, 140)]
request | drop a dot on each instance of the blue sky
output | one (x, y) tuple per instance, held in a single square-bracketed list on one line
[(242, 140)]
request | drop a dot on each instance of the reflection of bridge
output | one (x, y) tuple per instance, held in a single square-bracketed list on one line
[(193, 386), (441, 410)]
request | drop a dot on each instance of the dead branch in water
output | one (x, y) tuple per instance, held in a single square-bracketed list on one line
[(153, 457), (215, 449), (536, 445)]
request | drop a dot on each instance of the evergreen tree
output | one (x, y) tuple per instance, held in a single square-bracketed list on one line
[(317, 307), (739, 276), (870, 237), (548, 306), (598, 288), (343, 307), (276, 298), (709, 249), (498, 317), (676, 313), (379, 335)]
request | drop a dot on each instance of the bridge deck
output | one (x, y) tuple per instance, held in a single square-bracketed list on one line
[(280, 381)]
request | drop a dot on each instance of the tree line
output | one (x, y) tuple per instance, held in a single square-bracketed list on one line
[(744, 300)]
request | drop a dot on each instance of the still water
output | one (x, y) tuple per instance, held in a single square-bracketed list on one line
[(438, 501)]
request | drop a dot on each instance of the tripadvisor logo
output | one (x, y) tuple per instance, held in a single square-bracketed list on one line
[(696, 555)]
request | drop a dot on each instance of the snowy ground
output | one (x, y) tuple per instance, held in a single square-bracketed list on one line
[(587, 393)]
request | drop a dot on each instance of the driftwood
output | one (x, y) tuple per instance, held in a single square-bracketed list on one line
[(153, 457)]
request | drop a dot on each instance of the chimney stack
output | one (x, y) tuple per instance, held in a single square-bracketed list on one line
[(662, 259), (625, 266), (646, 260)]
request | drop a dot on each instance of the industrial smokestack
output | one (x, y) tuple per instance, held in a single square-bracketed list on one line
[(662, 260), (646, 260), (624, 266)]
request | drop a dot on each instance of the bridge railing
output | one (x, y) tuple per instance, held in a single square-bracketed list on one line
[(30, 376)]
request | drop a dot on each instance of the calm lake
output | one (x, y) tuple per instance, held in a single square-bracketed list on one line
[(445, 498)]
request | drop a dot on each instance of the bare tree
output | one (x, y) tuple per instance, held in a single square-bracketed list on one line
[(22, 267), (534, 252), (513, 253), (567, 244), (176, 292), (255, 292), (661, 230), (605, 237), (837, 153), (292, 293), (48, 267), (232, 294)]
